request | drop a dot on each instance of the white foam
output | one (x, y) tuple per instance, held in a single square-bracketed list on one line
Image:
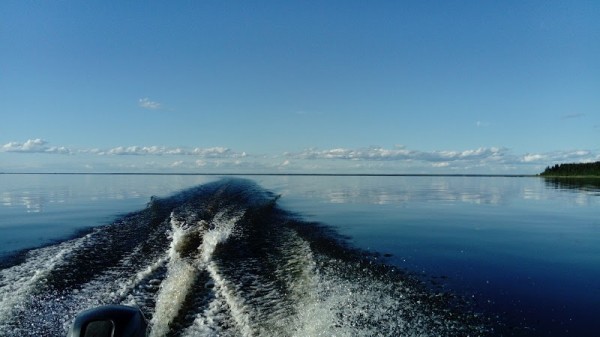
[(18, 285), (114, 285), (183, 271), (171, 295), (127, 285), (221, 231), (173, 289), (237, 308), (18, 282), (255, 306)]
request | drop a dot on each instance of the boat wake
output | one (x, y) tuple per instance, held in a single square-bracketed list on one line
[(223, 259)]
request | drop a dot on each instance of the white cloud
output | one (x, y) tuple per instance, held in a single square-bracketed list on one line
[(146, 103), (211, 152), (528, 158), (574, 156), (140, 150), (398, 154), (41, 146), (215, 152), (578, 155), (441, 164), (34, 146), (374, 153), (397, 159)]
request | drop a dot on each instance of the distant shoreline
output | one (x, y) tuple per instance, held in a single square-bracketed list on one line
[(570, 177), (573, 170)]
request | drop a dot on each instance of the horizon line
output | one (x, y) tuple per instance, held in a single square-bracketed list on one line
[(280, 174)]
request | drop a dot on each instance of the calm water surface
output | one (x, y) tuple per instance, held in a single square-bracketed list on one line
[(525, 249)]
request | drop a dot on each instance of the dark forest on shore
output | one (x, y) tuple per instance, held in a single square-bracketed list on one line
[(573, 169)]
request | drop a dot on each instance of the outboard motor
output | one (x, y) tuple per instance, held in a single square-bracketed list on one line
[(109, 321)]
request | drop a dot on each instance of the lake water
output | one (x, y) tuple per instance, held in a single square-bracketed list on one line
[(523, 250)]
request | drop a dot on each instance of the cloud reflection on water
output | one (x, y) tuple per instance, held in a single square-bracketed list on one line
[(399, 190), (36, 193)]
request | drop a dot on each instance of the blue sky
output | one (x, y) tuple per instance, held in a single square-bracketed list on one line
[(298, 86)]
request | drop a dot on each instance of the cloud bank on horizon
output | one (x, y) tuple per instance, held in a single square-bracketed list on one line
[(397, 159)]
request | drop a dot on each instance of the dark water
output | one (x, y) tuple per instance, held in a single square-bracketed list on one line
[(524, 249), (424, 256)]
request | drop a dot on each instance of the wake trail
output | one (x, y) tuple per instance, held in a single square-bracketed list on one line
[(222, 259)]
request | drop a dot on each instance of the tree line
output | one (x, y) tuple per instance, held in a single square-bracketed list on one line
[(573, 169)]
